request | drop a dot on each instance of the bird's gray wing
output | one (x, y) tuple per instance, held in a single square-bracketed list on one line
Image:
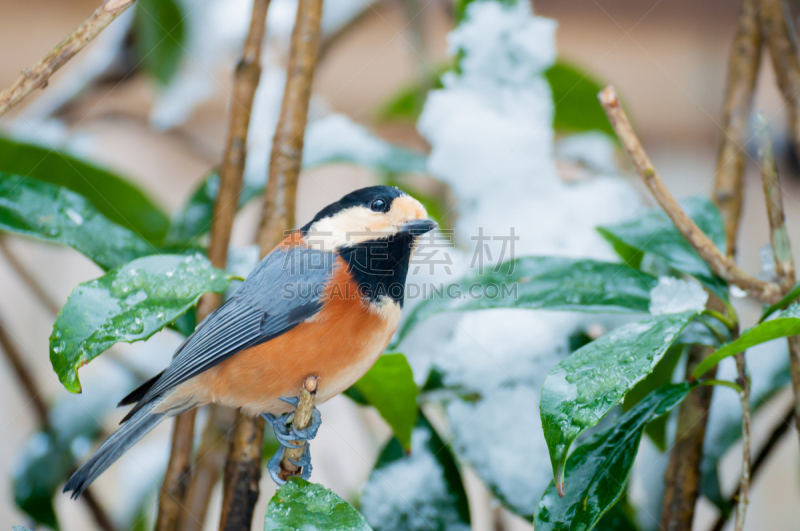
[(283, 290)]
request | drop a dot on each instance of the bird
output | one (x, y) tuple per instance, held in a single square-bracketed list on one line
[(324, 302)]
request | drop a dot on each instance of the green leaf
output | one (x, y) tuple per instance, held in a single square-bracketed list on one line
[(52, 213), (159, 37), (575, 98), (785, 324), (598, 470), (654, 233), (128, 304), (36, 476), (583, 388), (299, 505), (543, 283), (616, 518), (658, 378), (114, 197), (389, 387), (781, 304), (434, 498)]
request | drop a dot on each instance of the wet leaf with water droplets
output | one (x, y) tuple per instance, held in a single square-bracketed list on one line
[(302, 505), (113, 196), (128, 304), (583, 388), (55, 214), (654, 233), (598, 470), (546, 283)]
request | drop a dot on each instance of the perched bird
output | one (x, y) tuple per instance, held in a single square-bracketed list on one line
[(324, 302)]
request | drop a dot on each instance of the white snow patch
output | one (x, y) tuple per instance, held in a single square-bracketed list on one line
[(673, 295), (336, 137), (411, 493)]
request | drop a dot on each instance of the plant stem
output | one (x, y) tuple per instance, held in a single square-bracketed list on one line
[(38, 75), (743, 64), (682, 479), (781, 40), (243, 466), (744, 481), (287, 148), (302, 417), (722, 265), (208, 466), (781, 247), (172, 509)]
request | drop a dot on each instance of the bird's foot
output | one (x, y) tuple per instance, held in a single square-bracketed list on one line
[(285, 430), (274, 465), (287, 435)]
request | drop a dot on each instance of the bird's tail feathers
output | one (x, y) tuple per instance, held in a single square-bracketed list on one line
[(117, 444)]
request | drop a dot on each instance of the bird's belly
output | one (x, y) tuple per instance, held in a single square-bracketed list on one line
[(336, 346)]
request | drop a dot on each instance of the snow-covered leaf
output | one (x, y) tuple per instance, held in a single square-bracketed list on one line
[(128, 304), (598, 470), (784, 324), (654, 233), (583, 388), (55, 214), (114, 197), (37, 473), (302, 505), (420, 490), (544, 283), (159, 37), (389, 387)]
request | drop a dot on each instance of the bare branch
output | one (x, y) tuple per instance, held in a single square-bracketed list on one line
[(243, 467), (246, 78), (38, 75), (722, 265), (781, 40), (743, 65), (24, 274), (781, 248), (682, 479), (744, 481), (302, 418), (208, 466)]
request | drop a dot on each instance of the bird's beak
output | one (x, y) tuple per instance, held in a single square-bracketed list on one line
[(418, 227)]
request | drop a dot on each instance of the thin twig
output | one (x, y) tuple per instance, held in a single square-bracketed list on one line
[(744, 481), (286, 157), (243, 466), (24, 376), (780, 429), (682, 478), (781, 248), (24, 274), (208, 466), (781, 40), (248, 73), (301, 420), (743, 64), (38, 75), (722, 265), (728, 194)]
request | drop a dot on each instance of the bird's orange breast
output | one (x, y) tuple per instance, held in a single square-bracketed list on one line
[(339, 344)]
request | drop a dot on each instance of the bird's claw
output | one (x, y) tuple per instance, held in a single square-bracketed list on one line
[(287, 435)]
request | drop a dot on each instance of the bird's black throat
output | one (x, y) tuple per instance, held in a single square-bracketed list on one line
[(380, 266)]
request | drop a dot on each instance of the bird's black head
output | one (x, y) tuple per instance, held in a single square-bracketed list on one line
[(375, 231)]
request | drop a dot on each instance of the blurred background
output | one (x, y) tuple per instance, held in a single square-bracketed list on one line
[(667, 59)]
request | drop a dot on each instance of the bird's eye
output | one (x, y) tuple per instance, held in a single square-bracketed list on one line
[(379, 205)]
